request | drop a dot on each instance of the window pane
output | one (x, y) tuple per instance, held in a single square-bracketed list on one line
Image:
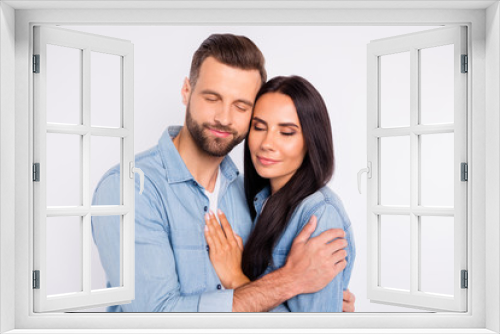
[(64, 255), (436, 85), (63, 170), (395, 171), (437, 169), (395, 90), (105, 90), (105, 153), (437, 254), (64, 70), (395, 252), (108, 238)]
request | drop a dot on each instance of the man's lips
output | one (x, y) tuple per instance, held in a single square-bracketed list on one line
[(220, 134), (267, 161)]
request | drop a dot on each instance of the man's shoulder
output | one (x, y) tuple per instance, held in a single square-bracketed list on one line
[(148, 161)]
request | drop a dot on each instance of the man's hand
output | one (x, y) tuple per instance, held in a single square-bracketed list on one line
[(314, 262), (348, 303)]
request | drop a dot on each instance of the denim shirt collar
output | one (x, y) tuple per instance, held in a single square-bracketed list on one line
[(260, 199), (175, 166)]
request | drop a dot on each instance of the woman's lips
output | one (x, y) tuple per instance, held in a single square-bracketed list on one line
[(220, 134), (267, 161)]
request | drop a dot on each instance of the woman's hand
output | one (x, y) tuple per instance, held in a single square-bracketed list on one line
[(225, 249)]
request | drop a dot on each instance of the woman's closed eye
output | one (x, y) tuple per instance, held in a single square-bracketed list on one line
[(257, 127), (288, 133)]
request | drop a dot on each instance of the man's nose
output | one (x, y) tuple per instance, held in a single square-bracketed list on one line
[(223, 115)]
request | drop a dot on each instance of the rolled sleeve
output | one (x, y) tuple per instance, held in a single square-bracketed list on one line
[(216, 301)]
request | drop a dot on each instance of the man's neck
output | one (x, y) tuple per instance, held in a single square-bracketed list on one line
[(201, 165)]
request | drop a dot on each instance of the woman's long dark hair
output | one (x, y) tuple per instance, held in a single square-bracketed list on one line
[(315, 172)]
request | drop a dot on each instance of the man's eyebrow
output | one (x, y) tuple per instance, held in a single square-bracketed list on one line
[(211, 92)]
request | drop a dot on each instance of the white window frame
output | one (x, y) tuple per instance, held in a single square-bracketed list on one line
[(86, 44), (413, 44), (483, 21)]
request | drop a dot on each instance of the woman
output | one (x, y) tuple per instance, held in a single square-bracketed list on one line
[(288, 162)]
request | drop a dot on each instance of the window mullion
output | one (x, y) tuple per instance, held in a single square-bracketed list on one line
[(86, 138), (414, 171)]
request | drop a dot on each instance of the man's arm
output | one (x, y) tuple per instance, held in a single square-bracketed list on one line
[(157, 287), (310, 266)]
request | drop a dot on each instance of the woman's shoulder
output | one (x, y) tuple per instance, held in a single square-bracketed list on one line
[(321, 198), (324, 203)]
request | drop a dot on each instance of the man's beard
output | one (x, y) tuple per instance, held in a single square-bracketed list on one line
[(217, 147)]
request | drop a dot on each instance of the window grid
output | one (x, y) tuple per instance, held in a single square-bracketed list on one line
[(86, 43), (415, 210)]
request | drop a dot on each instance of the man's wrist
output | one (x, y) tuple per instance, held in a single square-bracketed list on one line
[(267, 292), (291, 279)]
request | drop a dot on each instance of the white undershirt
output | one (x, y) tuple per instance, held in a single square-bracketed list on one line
[(213, 197)]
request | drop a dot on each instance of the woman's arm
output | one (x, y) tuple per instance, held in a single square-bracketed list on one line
[(309, 263), (331, 298), (225, 251)]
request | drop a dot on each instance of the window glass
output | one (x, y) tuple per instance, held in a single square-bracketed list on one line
[(395, 90), (395, 252), (64, 82)]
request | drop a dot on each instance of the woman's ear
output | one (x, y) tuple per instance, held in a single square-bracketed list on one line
[(186, 91)]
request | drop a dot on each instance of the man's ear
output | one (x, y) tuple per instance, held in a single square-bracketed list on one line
[(186, 91)]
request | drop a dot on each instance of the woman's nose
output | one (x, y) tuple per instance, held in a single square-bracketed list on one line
[(268, 142)]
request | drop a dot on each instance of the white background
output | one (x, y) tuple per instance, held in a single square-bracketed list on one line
[(333, 59)]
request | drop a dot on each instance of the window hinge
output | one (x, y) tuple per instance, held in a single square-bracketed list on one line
[(464, 171), (465, 279), (36, 63), (465, 64), (36, 279), (36, 172)]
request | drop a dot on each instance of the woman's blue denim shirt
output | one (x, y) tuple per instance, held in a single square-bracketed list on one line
[(330, 213)]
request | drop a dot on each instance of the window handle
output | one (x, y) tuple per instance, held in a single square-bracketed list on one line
[(368, 171), (139, 171)]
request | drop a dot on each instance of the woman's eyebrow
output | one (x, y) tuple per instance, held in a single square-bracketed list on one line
[(259, 120), (289, 124), (280, 124)]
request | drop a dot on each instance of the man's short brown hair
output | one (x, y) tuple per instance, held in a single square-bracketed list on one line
[(235, 51)]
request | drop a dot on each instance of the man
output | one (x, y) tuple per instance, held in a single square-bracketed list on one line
[(187, 174)]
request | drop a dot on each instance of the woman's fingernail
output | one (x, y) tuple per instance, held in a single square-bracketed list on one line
[(206, 228), (219, 211), (207, 217)]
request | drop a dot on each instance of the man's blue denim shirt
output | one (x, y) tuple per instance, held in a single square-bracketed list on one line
[(330, 213), (173, 272)]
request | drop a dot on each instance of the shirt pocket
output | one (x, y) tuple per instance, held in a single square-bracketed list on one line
[(190, 255), (279, 258)]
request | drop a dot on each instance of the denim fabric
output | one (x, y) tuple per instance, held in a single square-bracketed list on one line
[(329, 211), (173, 272)]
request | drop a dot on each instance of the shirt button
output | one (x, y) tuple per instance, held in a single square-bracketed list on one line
[(255, 199), (208, 248), (205, 208), (219, 286)]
